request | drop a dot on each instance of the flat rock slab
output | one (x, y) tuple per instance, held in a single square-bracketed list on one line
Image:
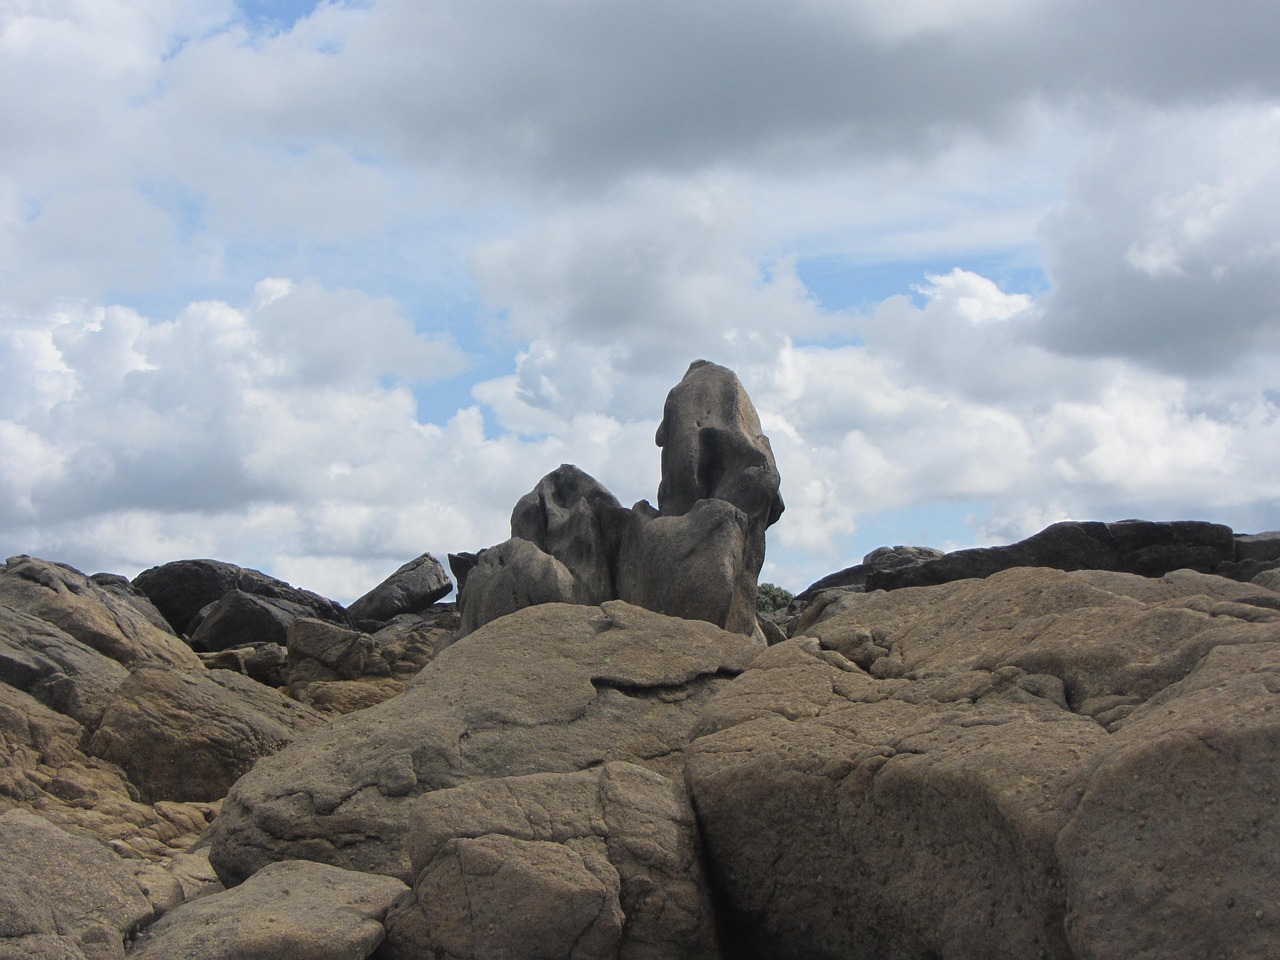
[(1024, 766), (63, 896), (554, 688), (602, 863), (295, 909)]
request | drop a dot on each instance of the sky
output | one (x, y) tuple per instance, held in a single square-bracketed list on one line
[(316, 288)]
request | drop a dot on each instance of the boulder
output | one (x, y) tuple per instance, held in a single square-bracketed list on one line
[(695, 565), (188, 735), (181, 589), (239, 619), (348, 696), (63, 896), (411, 589), (297, 909), (572, 517), (55, 668), (971, 770), (511, 576), (555, 688), (855, 577), (97, 617), (601, 863), (264, 662), (713, 448), (325, 651), (697, 556), (1147, 548)]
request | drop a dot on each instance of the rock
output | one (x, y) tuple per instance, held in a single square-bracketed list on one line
[(190, 735), (855, 577), (554, 688), (63, 896), (697, 556), (695, 565), (411, 641), (181, 589), (296, 909), (1263, 547), (1130, 546), (602, 863), (348, 696), (120, 586), (713, 448), (93, 615), (55, 668), (511, 576), (239, 619), (43, 769), (972, 792), (264, 662), (411, 589), (572, 517), (326, 651)]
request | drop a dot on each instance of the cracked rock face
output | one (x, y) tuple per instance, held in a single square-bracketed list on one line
[(602, 863), (554, 688), (1039, 764)]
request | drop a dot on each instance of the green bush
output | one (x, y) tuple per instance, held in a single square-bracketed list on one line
[(771, 597)]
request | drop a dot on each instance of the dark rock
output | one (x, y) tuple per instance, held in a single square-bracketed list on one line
[(301, 910), (461, 564), (1036, 764), (552, 688), (572, 517), (601, 863), (239, 619), (191, 735), (181, 589), (93, 615), (1262, 547), (1149, 549), (63, 896), (881, 558), (411, 589)]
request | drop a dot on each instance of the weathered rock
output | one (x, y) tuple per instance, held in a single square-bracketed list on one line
[(695, 565), (1147, 548), (511, 576), (601, 863), (63, 896), (238, 619), (553, 688), (348, 696), (572, 517), (43, 769), (713, 448), (264, 662), (296, 909), (411, 589), (97, 617), (181, 589), (190, 735), (946, 803), (411, 641), (58, 670), (326, 651), (855, 577), (121, 587), (1258, 546)]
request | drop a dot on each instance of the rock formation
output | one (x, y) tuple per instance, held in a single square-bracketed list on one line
[(696, 556)]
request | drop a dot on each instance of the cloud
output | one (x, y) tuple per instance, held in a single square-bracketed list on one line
[(1167, 249)]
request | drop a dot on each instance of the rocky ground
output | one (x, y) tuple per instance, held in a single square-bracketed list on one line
[(1062, 749), (992, 757)]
